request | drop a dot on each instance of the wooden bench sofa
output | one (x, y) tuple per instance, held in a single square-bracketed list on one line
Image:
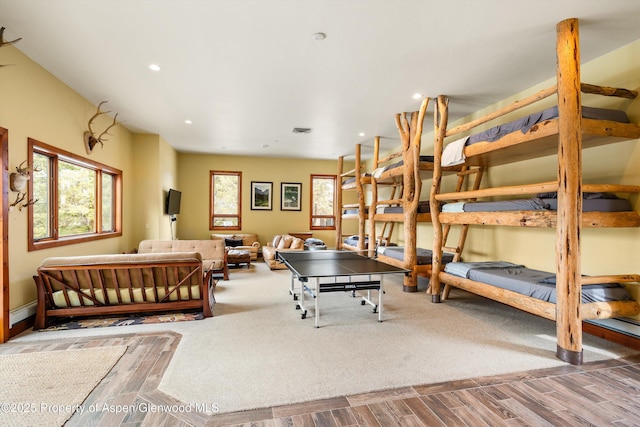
[(121, 283)]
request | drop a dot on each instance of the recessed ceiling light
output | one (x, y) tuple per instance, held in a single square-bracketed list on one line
[(361, 134), (319, 36), (417, 96), (265, 145), (188, 121), (154, 67)]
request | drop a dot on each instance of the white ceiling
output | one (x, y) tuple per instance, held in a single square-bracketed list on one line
[(246, 72)]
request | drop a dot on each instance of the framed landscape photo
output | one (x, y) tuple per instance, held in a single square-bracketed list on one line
[(261, 195), (290, 196)]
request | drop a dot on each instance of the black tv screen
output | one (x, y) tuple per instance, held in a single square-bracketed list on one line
[(173, 202)]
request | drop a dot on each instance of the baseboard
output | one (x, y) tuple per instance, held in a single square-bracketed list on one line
[(611, 335), (22, 313)]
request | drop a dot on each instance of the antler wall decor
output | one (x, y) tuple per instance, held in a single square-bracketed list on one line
[(18, 183), (90, 138), (6, 43)]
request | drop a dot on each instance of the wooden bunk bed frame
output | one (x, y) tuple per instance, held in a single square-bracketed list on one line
[(360, 179), (406, 181), (360, 183), (565, 137)]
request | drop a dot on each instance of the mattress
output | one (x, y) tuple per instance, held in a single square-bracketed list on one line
[(353, 241), (423, 255), (353, 179), (423, 207), (525, 123), (379, 171), (592, 202), (534, 283)]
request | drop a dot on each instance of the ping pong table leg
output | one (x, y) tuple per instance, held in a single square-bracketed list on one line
[(292, 289), (317, 295), (380, 292)]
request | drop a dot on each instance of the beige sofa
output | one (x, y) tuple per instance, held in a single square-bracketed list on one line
[(249, 242), (96, 285), (213, 252), (280, 242)]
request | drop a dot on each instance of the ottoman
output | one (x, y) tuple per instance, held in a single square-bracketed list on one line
[(239, 256)]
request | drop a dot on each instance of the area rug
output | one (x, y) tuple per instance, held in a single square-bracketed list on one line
[(138, 319), (46, 388)]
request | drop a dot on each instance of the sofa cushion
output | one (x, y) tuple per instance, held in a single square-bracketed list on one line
[(212, 252), (285, 242), (233, 242)]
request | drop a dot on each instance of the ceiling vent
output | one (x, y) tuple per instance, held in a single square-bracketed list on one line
[(301, 130)]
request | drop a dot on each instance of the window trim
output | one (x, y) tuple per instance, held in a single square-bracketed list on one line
[(311, 215), (212, 214), (35, 146)]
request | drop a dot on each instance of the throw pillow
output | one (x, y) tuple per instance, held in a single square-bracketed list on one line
[(233, 242)]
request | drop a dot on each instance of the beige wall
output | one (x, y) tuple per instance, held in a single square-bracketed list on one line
[(193, 181)]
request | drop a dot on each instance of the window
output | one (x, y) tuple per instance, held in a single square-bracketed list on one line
[(322, 202), (78, 199), (225, 205)]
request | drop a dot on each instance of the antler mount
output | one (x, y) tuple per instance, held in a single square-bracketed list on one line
[(91, 138)]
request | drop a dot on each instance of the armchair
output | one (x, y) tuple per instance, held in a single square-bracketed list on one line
[(280, 242)]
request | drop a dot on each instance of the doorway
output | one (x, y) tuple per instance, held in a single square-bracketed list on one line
[(4, 238)]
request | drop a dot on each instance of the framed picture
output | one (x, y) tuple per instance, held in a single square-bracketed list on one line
[(290, 195), (261, 195)]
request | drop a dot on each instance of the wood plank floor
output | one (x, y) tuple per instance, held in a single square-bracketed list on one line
[(603, 393)]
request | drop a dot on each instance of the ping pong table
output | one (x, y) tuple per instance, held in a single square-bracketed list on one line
[(335, 271)]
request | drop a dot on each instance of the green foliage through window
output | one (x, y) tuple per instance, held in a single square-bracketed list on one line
[(78, 199), (226, 190), (323, 195)]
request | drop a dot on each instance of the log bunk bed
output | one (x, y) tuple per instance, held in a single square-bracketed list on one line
[(404, 205), (354, 179), (358, 180), (565, 297)]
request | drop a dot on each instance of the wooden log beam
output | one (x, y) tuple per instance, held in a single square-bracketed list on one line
[(608, 91), (545, 93), (440, 119), (618, 278), (338, 215), (568, 322), (361, 206), (609, 309), (515, 190)]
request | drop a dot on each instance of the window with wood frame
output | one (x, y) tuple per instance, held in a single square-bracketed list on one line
[(225, 200), (78, 200), (323, 196)]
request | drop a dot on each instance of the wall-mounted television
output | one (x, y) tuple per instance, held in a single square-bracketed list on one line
[(173, 202)]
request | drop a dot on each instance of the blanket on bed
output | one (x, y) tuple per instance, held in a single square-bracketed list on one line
[(534, 283), (592, 202)]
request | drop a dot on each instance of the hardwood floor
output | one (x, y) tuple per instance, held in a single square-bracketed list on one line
[(603, 393)]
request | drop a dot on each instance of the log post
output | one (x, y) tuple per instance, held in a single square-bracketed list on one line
[(410, 135), (360, 189), (568, 289), (440, 118), (339, 204)]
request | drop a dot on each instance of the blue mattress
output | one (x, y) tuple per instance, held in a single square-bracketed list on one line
[(525, 123), (534, 283), (592, 202), (423, 207), (424, 256)]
